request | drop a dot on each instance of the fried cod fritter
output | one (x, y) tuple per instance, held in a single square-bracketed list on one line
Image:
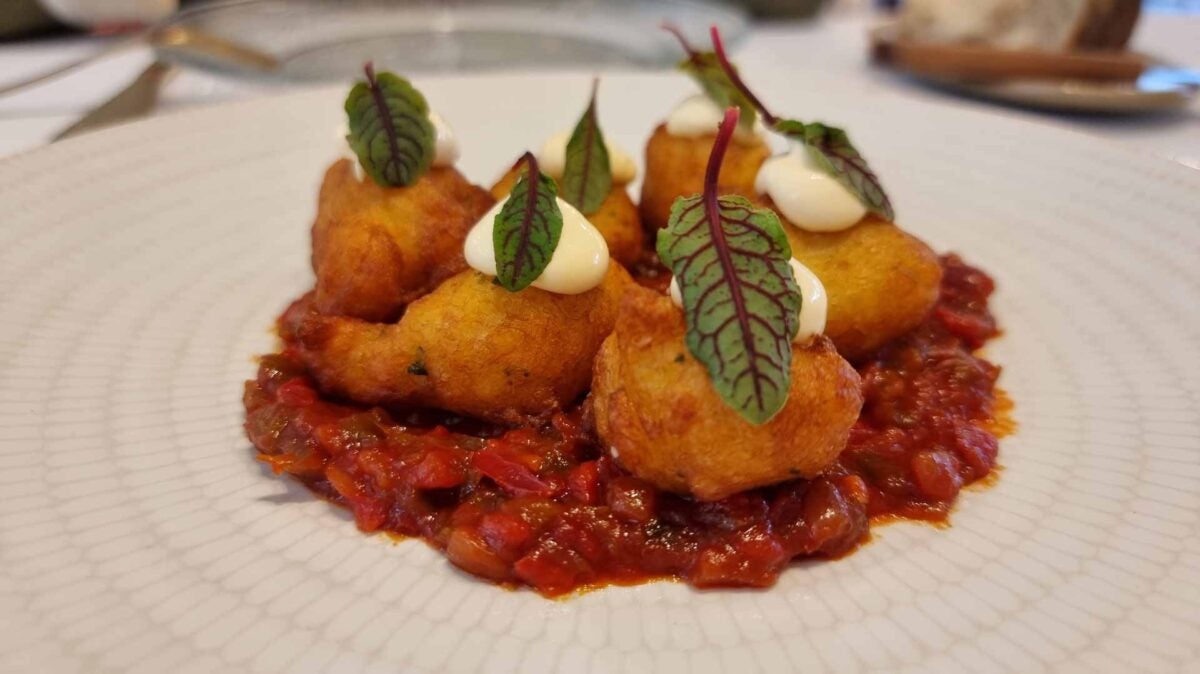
[(656, 407), (880, 280), (469, 347), (675, 168), (617, 218), (375, 249)]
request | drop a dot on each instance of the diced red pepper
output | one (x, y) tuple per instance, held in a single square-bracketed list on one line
[(369, 512), (976, 448), (973, 328), (467, 514), (511, 475), (536, 511), (344, 435), (936, 474), (566, 426), (584, 483), (521, 437), (585, 537), (310, 464), (552, 569), (855, 489), (254, 397), (507, 534), (379, 465), (439, 434), (631, 499), (296, 392), (827, 513), (439, 469), (469, 552), (342, 482), (753, 558)]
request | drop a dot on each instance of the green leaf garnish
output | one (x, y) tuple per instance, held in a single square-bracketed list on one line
[(587, 176), (706, 70), (837, 156), (527, 229), (390, 131), (740, 299), (830, 146)]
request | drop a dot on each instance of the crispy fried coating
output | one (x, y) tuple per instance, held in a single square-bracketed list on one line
[(657, 409), (617, 218), (469, 347), (675, 168), (375, 249), (880, 280)]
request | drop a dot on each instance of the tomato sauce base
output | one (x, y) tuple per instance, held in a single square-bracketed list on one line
[(547, 507)]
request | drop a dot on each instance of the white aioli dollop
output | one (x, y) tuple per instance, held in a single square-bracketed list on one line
[(445, 147), (808, 197), (814, 305), (699, 116), (446, 150), (579, 262), (552, 158)]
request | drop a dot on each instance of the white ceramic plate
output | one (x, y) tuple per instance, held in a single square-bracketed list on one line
[(140, 269)]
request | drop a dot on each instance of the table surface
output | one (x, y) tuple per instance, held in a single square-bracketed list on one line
[(833, 48)]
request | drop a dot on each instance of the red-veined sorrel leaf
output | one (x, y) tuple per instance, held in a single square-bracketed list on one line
[(831, 146), (390, 131), (526, 231), (706, 70), (832, 149), (587, 176), (740, 300)]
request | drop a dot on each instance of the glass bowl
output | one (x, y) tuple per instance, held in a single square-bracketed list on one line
[(331, 39)]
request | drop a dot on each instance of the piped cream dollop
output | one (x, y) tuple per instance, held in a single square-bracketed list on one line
[(445, 146), (446, 150), (807, 196), (579, 262), (698, 115), (814, 305), (552, 158)]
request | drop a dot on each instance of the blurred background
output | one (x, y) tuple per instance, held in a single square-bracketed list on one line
[(72, 66)]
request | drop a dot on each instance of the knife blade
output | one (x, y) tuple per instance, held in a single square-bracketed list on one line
[(136, 100)]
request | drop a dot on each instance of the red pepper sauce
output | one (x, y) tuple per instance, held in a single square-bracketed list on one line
[(546, 507)]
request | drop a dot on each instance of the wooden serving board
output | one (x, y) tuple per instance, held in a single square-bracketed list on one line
[(975, 63)]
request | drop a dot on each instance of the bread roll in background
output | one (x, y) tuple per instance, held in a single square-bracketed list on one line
[(1046, 25)]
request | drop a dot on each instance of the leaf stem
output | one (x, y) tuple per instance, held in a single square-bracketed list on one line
[(712, 208), (531, 165), (687, 47), (717, 157), (723, 59), (533, 176), (385, 118)]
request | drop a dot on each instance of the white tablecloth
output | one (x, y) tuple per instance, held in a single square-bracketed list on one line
[(833, 48)]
